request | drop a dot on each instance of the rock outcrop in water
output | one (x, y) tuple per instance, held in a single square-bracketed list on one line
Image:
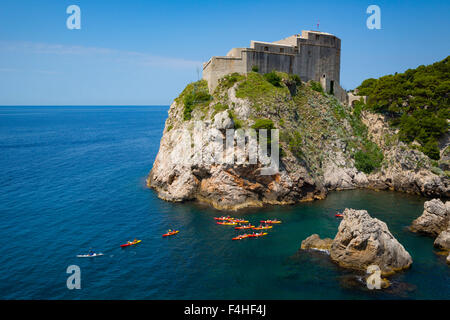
[(434, 219), (324, 146), (442, 242), (362, 241), (435, 222), (314, 242)]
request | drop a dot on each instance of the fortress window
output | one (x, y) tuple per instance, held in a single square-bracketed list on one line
[(266, 48), (317, 37), (281, 49)]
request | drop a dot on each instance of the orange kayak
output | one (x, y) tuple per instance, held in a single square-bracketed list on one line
[(170, 233), (227, 223), (262, 228), (256, 235), (270, 221), (244, 227), (130, 243), (339, 215), (240, 237), (223, 218), (239, 220)]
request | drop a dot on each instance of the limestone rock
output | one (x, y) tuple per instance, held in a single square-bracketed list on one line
[(362, 241), (223, 121), (442, 242), (314, 242), (434, 218)]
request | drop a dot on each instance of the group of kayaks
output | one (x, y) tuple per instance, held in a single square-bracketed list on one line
[(239, 225)]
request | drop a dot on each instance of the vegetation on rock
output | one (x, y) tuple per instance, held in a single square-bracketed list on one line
[(195, 94), (416, 101)]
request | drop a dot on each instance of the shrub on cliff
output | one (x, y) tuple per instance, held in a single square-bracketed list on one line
[(369, 159), (263, 124), (316, 86), (194, 94), (229, 80), (273, 78)]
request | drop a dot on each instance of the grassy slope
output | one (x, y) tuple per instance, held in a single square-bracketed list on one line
[(307, 118)]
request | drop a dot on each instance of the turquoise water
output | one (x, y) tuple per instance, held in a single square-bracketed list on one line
[(73, 178)]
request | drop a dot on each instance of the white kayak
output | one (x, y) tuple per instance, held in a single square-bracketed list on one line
[(89, 255)]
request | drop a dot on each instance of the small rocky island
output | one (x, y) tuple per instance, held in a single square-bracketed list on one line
[(362, 241)]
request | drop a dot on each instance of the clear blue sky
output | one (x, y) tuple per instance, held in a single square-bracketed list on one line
[(143, 52)]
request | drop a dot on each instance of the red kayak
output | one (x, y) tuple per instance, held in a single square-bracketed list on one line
[(170, 233), (339, 215)]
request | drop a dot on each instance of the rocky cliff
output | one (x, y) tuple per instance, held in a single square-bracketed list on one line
[(323, 146)]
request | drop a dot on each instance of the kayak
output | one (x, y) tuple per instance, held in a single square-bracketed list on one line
[(240, 237), (238, 220), (255, 235), (270, 221), (170, 233), (244, 227), (227, 223), (89, 255), (130, 244), (223, 218), (263, 228), (340, 215)]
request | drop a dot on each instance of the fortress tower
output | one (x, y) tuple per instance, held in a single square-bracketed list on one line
[(311, 55)]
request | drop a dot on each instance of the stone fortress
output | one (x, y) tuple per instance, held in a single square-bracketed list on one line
[(311, 55)]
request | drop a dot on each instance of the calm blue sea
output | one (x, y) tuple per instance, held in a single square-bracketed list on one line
[(73, 178)]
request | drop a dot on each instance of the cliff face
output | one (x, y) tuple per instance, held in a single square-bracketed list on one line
[(323, 146)]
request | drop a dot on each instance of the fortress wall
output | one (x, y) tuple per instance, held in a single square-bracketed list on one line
[(272, 47), (266, 61), (315, 61), (352, 98), (235, 52), (312, 56), (340, 93), (291, 41), (218, 67)]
